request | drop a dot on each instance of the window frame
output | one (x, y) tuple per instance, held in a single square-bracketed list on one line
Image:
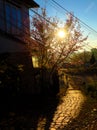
[(13, 21)]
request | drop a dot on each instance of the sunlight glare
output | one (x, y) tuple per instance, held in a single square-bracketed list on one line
[(61, 33)]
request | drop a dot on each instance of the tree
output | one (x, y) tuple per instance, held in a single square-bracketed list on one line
[(81, 57), (94, 51), (51, 50), (92, 59)]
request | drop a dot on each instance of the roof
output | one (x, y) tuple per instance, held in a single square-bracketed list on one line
[(31, 3), (28, 3)]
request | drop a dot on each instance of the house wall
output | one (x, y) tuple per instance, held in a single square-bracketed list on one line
[(16, 69), (8, 44), (16, 64)]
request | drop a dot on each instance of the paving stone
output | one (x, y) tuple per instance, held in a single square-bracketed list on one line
[(52, 129), (65, 115)]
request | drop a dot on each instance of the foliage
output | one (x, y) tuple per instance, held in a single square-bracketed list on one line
[(94, 51), (81, 57), (91, 89), (92, 59), (51, 50)]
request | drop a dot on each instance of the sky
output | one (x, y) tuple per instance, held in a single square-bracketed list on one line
[(85, 10)]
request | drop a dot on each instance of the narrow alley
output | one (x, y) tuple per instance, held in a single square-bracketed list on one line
[(73, 111)]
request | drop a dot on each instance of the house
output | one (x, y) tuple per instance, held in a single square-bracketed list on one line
[(15, 59)]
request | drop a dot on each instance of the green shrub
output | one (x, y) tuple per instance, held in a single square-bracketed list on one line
[(91, 89)]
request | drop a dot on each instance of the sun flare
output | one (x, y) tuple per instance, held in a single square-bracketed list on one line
[(61, 33)]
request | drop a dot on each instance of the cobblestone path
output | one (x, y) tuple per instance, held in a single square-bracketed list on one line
[(73, 112), (68, 109)]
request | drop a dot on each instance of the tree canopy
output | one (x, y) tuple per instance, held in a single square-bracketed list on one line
[(52, 50)]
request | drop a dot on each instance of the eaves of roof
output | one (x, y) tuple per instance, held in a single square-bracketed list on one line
[(28, 3)]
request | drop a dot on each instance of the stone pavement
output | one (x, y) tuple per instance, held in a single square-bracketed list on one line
[(68, 110), (73, 111)]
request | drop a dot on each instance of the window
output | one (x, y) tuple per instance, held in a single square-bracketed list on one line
[(13, 18), (2, 25)]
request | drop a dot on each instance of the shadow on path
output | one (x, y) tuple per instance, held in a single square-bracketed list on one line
[(29, 112)]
